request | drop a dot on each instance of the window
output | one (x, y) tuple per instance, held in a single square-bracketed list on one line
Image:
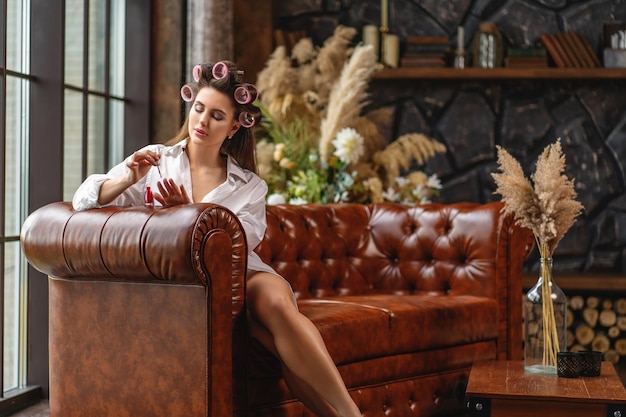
[(66, 110), (15, 102), (94, 89)]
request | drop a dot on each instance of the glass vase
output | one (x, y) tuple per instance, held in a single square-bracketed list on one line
[(545, 308)]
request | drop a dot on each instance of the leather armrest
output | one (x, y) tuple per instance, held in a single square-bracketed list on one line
[(137, 243)]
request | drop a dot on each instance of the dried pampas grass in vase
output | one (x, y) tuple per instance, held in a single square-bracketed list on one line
[(548, 207)]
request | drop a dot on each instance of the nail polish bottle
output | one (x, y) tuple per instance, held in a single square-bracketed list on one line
[(148, 199)]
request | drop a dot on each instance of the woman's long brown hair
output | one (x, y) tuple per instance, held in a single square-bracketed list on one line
[(242, 145)]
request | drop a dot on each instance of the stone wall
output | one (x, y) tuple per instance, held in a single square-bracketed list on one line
[(472, 117)]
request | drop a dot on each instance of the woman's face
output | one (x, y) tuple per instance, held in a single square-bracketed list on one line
[(212, 117)]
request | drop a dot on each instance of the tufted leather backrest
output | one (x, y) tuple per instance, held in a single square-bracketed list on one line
[(347, 249)]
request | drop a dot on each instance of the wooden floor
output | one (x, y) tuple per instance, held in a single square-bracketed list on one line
[(38, 410)]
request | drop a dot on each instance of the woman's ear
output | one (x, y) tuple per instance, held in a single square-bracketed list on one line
[(234, 129)]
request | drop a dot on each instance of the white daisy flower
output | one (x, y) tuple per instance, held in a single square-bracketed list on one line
[(402, 181), (348, 145), (421, 193), (391, 195), (434, 182)]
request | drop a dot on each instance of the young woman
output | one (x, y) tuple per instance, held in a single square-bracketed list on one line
[(212, 159)]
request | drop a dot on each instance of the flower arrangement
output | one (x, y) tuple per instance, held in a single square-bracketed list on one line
[(317, 144), (547, 206)]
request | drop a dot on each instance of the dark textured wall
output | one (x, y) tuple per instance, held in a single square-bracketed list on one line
[(472, 117)]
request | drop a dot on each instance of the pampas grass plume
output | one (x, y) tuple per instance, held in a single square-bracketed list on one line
[(402, 152), (348, 97), (547, 206)]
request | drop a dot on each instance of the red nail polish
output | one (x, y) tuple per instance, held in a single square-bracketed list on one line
[(148, 199)]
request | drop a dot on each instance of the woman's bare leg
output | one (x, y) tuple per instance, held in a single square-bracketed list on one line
[(299, 388), (298, 344)]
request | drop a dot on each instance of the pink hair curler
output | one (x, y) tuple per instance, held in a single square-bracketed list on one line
[(188, 93), (220, 70), (245, 93), (247, 119), (197, 71)]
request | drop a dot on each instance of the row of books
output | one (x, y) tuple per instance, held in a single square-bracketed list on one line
[(570, 50), (526, 57), (425, 51), (566, 49)]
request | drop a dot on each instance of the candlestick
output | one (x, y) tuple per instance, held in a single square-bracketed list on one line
[(371, 36), (384, 14), (391, 50), (460, 39)]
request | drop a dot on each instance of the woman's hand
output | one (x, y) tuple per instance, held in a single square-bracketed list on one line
[(171, 194), (138, 166), (140, 163)]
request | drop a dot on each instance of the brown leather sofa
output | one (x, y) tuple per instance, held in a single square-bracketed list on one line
[(147, 307)]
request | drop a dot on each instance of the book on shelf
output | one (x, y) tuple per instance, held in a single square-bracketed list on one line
[(426, 44), (526, 62), (555, 51), (428, 40), (431, 59), (425, 51), (580, 49), (426, 48), (425, 55), (570, 50), (526, 57), (526, 51), (422, 62), (586, 46)]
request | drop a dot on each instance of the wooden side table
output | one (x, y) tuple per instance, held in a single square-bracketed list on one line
[(503, 388)]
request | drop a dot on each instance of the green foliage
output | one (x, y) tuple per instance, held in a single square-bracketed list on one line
[(297, 171)]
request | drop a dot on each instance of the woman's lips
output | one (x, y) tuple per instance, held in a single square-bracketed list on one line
[(200, 132)]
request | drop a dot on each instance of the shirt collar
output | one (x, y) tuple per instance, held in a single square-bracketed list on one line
[(233, 168)]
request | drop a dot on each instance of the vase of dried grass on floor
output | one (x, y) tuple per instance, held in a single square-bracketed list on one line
[(547, 206)]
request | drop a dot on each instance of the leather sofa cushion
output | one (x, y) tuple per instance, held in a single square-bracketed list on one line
[(363, 327), (383, 337)]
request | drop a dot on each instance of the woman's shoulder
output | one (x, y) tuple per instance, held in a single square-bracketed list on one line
[(248, 176)]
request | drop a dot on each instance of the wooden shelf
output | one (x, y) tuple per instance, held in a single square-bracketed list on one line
[(430, 73), (582, 282)]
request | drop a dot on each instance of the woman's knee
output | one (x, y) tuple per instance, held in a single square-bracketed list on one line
[(269, 296)]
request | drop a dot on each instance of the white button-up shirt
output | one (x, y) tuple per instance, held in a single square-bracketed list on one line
[(243, 192)]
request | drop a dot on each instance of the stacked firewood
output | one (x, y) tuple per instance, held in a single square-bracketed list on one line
[(597, 323)]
